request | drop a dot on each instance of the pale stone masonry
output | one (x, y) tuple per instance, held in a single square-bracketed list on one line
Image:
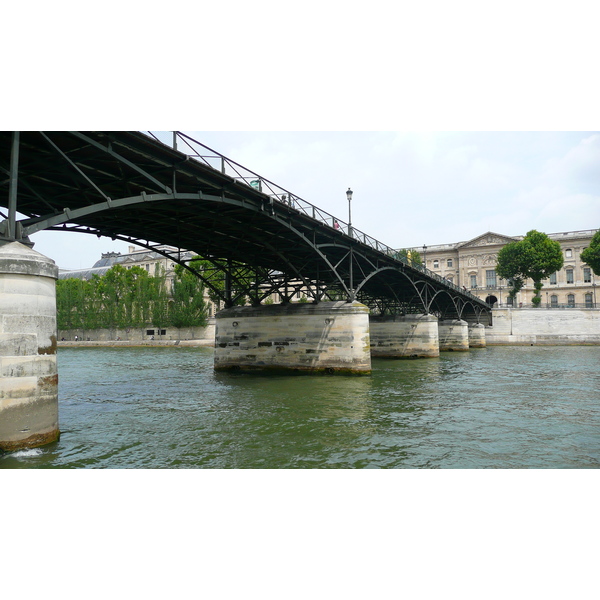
[(326, 337), (28, 366), (472, 265)]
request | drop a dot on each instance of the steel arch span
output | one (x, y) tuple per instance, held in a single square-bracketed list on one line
[(128, 186)]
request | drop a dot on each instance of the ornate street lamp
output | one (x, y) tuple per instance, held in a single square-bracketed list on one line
[(424, 255), (349, 196)]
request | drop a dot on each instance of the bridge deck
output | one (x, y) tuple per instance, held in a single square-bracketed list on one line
[(126, 185)]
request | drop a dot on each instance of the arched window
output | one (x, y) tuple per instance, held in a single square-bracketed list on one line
[(436, 264), (588, 301), (554, 300), (568, 253), (571, 300)]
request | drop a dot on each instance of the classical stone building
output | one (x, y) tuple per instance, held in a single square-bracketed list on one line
[(472, 265)]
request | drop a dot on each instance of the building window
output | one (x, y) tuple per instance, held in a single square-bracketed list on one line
[(554, 300), (473, 281), (588, 301), (553, 279), (570, 276), (571, 300), (587, 275), (568, 253), (436, 264), (449, 262), (490, 279)]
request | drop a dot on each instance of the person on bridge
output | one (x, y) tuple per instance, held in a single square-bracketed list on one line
[(336, 225)]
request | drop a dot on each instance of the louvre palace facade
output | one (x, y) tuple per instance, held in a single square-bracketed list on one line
[(472, 265)]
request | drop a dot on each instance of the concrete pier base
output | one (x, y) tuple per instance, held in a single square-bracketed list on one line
[(28, 370), (476, 335), (454, 335), (330, 337), (407, 336)]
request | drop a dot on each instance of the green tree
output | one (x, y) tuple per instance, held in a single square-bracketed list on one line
[(411, 257), (509, 267), (120, 298), (188, 307), (158, 299), (591, 255), (535, 257), (71, 309)]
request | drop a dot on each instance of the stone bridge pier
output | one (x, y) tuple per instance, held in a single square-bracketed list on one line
[(329, 337), (28, 370), (454, 335), (404, 336)]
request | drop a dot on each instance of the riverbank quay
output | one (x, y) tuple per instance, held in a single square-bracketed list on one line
[(511, 327), (544, 326), (140, 336), (135, 344)]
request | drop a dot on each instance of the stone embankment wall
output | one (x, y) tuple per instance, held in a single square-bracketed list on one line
[(141, 335), (541, 326), (519, 326)]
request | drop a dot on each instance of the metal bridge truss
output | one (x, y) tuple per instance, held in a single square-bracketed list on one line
[(126, 186)]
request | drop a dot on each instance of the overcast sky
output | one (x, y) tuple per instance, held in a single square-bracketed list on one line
[(334, 96), (409, 188)]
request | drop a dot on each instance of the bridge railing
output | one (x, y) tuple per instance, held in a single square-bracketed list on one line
[(219, 162)]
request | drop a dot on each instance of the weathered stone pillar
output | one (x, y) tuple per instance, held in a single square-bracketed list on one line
[(476, 335), (28, 370), (330, 337), (407, 336), (454, 335)]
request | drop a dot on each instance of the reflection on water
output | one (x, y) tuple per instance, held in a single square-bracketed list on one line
[(520, 407)]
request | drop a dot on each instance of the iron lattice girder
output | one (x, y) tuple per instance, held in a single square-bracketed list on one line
[(126, 185)]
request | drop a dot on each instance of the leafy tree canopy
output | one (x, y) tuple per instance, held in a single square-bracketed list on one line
[(410, 256), (591, 255), (188, 308), (535, 257)]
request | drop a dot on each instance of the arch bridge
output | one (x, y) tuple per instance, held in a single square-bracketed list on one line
[(260, 236)]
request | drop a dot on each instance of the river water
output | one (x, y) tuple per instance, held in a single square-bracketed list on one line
[(165, 407)]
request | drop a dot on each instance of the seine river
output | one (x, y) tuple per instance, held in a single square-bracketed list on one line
[(165, 407)]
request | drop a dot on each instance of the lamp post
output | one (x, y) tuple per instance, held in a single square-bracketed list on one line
[(424, 255), (349, 196), (351, 257)]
